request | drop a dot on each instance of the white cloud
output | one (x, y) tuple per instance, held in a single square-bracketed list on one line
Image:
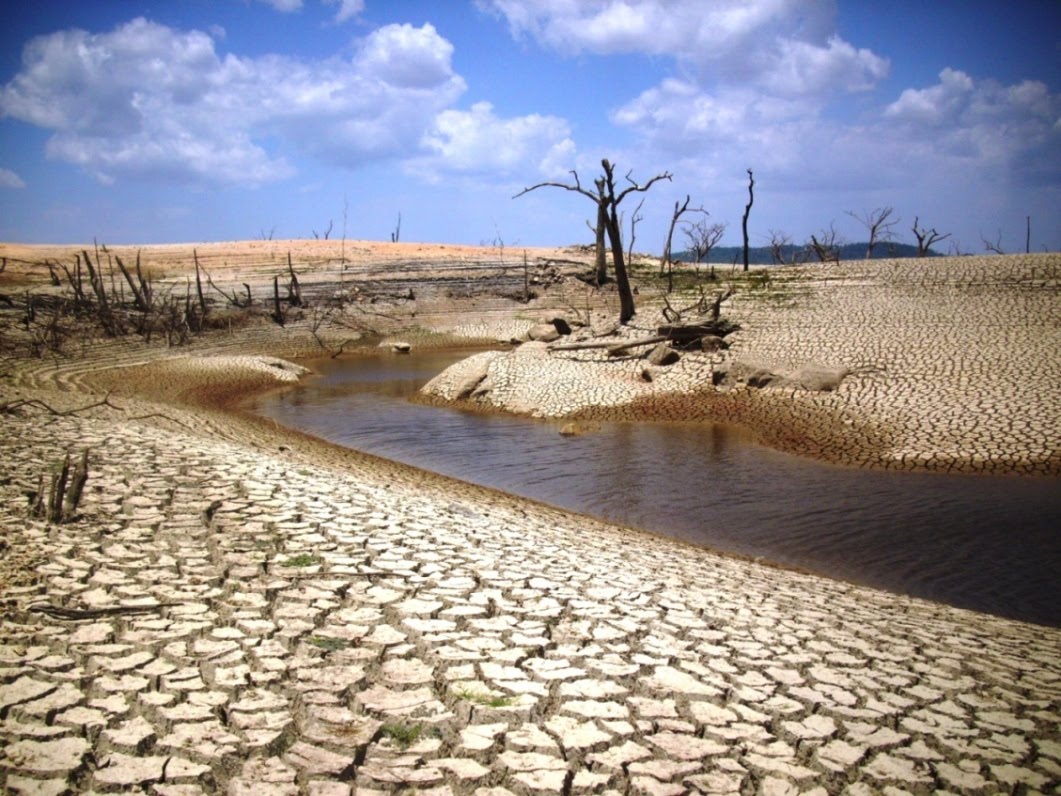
[(479, 142), (984, 122), (401, 55), (937, 105), (8, 179), (286, 6), (782, 46), (348, 9), (750, 78), (151, 101)]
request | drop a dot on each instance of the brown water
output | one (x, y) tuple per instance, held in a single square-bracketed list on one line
[(988, 543)]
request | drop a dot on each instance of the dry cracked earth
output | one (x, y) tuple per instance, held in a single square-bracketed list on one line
[(249, 622)]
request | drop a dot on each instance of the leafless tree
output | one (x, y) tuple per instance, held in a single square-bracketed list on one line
[(703, 237), (635, 218), (397, 234), (995, 247), (680, 209), (778, 241), (926, 237), (607, 201), (747, 212), (327, 232), (826, 245), (879, 224)]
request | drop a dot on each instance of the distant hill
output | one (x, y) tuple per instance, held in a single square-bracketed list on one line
[(763, 255)]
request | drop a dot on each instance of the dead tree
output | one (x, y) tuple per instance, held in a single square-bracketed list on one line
[(680, 209), (926, 237), (995, 247), (397, 234), (141, 288), (199, 285), (635, 219), (747, 212), (826, 245), (607, 201), (600, 253), (878, 224), (294, 291), (703, 237), (278, 312), (779, 241), (327, 232)]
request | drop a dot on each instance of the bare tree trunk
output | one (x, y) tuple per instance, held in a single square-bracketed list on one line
[(278, 314), (622, 280), (747, 212), (600, 253), (199, 284), (526, 279), (138, 298), (77, 486), (57, 490), (294, 291)]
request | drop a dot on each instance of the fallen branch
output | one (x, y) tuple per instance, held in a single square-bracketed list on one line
[(13, 406), (612, 346), (74, 614)]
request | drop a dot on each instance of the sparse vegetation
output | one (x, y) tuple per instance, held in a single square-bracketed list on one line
[(404, 735), (301, 560), (485, 699)]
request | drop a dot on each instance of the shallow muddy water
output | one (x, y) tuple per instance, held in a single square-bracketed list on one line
[(988, 543)]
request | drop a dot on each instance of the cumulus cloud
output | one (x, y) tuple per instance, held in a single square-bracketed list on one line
[(148, 100), (782, 46), (477, 141), (8, 179), (749, 76), (985, 121)]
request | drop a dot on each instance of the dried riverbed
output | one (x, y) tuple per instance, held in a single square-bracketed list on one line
[(240, 609)]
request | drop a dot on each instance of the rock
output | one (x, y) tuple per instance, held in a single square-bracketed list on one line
[(543, 332), (663, 355), (820, 378), (570, 430), (712, 342), (559, 322), (604, 328), (760, 373), (401, 348)]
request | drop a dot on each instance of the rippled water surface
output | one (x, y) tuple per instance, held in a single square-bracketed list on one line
[(989, 543)]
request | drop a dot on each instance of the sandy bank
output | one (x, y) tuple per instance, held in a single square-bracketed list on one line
[(952, 366)]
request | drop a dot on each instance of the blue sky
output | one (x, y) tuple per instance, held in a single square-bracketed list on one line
[(140, 121)]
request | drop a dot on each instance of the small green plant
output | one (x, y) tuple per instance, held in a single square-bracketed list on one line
[(487, 700), (327, 643), (405, 735), (301, 560)]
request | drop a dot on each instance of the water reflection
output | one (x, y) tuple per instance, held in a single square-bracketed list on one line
[(984, 543)]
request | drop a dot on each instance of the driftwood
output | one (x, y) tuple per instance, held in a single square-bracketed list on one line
[(683, 335)]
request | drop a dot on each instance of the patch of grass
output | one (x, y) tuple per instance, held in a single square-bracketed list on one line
[(405, 735), (328, 644), (301, 560), (487, 700)]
